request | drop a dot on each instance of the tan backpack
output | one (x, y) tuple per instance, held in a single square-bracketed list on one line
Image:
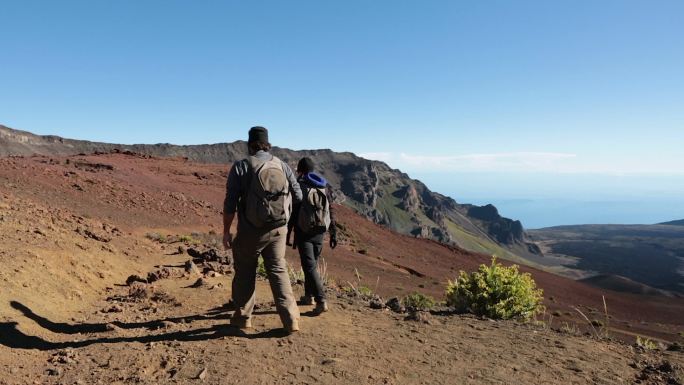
[(314, 212), (268, 203)]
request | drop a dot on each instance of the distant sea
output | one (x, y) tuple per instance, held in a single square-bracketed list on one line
[(544, 200), (546, 212)]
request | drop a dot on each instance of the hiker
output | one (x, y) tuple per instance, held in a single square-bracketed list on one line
[(260, 189), (311, 219)]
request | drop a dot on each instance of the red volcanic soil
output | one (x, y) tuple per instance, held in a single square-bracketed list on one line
[(173, 196)]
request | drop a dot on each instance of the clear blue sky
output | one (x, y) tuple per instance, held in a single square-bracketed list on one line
[(543, 91)]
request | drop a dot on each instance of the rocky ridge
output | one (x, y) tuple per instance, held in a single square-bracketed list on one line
[(382, 194)]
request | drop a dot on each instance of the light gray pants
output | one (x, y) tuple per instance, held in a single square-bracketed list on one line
[(271, 246)]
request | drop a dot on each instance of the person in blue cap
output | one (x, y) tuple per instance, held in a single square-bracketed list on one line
[(311, 219)]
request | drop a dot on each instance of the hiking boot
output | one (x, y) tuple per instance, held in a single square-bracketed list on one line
[(242, 323), (321, 307), (293, 327), (306, 300)]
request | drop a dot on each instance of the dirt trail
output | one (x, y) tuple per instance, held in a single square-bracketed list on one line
[(352, 344)]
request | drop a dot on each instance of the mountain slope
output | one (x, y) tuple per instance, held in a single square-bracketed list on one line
[(652, 255), (674, 223), (380, 193)]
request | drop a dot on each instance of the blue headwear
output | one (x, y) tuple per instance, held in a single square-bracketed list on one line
[(315, 179)]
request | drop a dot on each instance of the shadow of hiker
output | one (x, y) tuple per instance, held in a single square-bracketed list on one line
[(219, 313), (12, 337)]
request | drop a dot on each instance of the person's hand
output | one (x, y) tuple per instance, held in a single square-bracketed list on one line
[(333, 240), (228, 239)]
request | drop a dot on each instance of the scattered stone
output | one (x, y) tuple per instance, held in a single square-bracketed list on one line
[(199, 283), (217, 267), (54, 371), (676, 347), (135, 278), (154, 237), (93, 235), (419, 316), (395, 305), (658, 373), (191, 268), (66, 357), (111, 327), (164, 273), (92, 167), (211, 255), (139, 290), (203, 374), (376, 304), (114, 309), (164, 297)]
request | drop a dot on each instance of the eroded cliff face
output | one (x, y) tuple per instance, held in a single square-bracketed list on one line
[(378, 192)]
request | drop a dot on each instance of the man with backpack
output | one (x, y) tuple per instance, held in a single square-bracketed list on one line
[(260, 189), (311, 219)]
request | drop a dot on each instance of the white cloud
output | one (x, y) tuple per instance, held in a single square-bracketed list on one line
[(381, 156), (530, 162), (499, 162)]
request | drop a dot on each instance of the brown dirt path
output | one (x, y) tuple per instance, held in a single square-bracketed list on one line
[(352, 344)]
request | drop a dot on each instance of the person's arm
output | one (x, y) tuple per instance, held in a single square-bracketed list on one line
[(333, 224), (295, 188), (230, 205), (227, 235)]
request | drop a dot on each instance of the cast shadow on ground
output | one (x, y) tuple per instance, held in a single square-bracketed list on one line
[(14, 338), (219, 313)]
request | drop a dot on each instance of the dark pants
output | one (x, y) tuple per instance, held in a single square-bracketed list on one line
[(310, 248)]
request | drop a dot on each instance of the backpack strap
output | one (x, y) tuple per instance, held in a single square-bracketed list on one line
[(252, 164)]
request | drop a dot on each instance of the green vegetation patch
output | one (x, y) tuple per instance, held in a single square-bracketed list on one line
[(418, 301), (496, 291)]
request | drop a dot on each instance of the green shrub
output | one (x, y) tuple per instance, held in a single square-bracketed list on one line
[(365, 291), (186, 239), (261, 268), (645, 343), (418, 301), (296, 276), (362, 291), (496, 291)]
